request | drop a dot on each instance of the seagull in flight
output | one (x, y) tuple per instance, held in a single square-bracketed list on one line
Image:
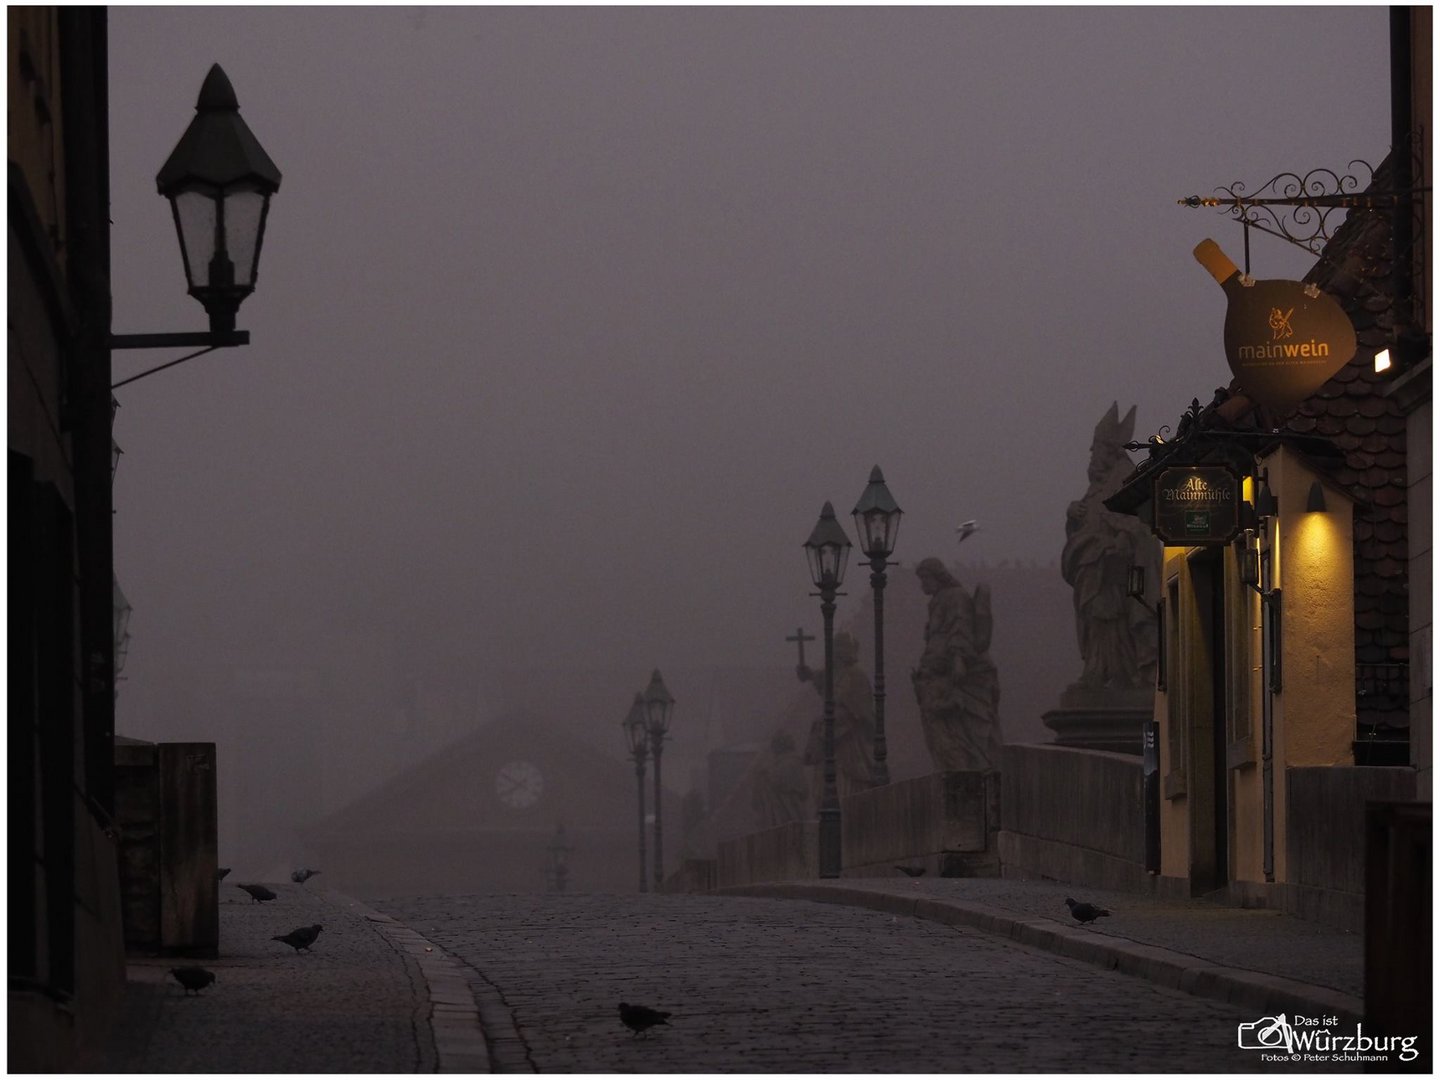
[(964, 529)]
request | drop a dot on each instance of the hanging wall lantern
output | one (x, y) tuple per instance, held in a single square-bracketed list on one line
[(219, 181)]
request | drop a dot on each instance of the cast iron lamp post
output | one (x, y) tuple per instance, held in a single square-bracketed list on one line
[(658, 707), (637, 738), (877, 523), (827, 551), (219, 180)]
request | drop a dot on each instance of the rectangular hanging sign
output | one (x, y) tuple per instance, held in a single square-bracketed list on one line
[(1197, 505)]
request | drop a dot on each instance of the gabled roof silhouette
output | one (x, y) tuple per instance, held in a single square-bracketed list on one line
[(455, 789)]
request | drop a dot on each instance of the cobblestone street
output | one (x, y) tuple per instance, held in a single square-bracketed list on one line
[(758, 985)]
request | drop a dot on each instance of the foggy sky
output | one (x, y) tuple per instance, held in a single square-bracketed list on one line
[(569, 320)]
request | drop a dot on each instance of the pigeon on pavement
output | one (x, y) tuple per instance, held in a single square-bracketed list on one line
[(193, 978), (911, 871), (302, 938), (258, 892), (302, 875), (1084, 913), (638, 1018)]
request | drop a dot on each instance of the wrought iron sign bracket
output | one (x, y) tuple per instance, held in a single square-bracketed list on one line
[(1298, 208)]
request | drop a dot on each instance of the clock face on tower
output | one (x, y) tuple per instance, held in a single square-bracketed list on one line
[(519, 784)]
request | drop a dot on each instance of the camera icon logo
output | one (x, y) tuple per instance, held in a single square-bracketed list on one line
[(1267, 1033)]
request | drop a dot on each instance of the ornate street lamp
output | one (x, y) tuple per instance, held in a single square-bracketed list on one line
[(219, 180), (827, 551), (877, 523), (658, 707), (637, 738)]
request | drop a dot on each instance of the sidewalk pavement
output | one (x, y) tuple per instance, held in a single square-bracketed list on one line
[(1263, 960), (376, 996), (360, 1001)]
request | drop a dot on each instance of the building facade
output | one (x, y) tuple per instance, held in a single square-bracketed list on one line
[(1294, 688), (66, 957)]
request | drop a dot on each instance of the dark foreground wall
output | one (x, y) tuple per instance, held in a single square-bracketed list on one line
[(1325, 837)]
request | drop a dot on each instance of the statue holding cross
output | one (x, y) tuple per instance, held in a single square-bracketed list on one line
[(800, 637), (854, 716)]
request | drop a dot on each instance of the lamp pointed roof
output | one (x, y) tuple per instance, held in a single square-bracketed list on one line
[(218, 148)]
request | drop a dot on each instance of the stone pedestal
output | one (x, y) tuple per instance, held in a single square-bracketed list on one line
[(1105, 719)]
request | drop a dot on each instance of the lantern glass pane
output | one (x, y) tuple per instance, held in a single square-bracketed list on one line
[(244, 209), (873, 528), (195, 217), (832, 561), (812, 556)]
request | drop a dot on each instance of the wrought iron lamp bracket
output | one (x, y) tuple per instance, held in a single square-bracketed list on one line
[(210, 341)]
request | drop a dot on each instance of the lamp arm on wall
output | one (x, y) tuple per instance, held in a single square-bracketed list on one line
[(210, 341)]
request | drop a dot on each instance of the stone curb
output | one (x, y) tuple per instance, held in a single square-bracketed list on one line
[(473, 1029), (1265, 994)]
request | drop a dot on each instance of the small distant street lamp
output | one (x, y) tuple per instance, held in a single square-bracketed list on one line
[(557, 873), (638, 739), (219, 180), (827, 551), (877, 523), (658, 707)]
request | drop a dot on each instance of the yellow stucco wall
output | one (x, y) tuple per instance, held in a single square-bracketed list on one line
[(1315, 709), (1317, 576)]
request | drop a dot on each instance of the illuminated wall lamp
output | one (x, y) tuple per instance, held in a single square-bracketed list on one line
[(1315, 501), (1266, 505), (1249, 565)]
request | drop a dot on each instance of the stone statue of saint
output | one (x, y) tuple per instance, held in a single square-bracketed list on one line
[(956, 684), (778, 787), (1116, 634), (854, 722)]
